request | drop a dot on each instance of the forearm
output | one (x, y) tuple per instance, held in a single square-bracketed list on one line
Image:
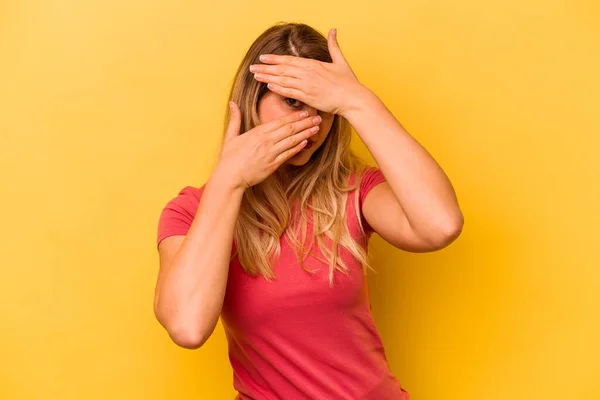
[(192, 290), (417, 181)]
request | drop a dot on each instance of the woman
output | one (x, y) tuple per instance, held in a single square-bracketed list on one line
[(277, 246)]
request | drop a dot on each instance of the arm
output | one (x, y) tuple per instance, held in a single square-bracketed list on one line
[(194, 268), (417, 209)]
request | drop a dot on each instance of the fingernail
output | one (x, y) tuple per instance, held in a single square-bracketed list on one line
[(231, 105), (252, 68), (304, 114), (316, 120), (262, 57)]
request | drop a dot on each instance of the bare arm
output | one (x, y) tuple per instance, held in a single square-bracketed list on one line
[(194, 269), (417, 209)]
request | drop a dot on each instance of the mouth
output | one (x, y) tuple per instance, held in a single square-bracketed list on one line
[(309, 144)]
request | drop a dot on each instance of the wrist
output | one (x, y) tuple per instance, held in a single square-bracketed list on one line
[(226, 180), (358, 99)]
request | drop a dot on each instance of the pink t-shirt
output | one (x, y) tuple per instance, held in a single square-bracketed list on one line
[(296, 337)]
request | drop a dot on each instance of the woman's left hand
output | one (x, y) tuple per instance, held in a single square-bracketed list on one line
[(329, 87)]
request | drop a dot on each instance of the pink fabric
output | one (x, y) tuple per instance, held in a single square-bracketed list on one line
[(295, 337)]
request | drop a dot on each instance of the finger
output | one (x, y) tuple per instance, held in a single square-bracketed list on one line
[(279, 70), (284, 81), (286, 155), (293, 140), (235, 121), (334, 48), (293, 128), (278, 123), (289, 135), (286, 60), (293, 93)]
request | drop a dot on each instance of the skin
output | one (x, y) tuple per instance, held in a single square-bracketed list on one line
[(273, 106), (416, 209), (194, 267)]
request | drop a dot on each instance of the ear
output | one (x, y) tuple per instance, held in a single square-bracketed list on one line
[(334, 48)]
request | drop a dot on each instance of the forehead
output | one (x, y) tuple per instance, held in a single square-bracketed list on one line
[(270, 96), (271, 99)]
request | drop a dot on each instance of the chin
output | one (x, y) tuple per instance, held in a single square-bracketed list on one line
[(299, 159), (297, 162)]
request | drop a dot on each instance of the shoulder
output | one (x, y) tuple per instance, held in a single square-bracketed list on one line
[(178, 214), (187, 197), (370, 176)]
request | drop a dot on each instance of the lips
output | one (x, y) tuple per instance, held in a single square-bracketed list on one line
[(309, 144)]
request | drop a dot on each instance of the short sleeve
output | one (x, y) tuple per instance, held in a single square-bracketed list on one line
[(371, 177), (177, 216)]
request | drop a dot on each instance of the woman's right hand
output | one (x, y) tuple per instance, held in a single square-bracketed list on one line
[(250, 158)]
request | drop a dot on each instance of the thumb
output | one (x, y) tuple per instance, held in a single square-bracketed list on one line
[(235, 121), (334, 48)]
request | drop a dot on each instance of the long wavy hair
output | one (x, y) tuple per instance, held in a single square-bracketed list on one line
[(321, 186)]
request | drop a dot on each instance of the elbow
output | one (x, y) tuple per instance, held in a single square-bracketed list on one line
[(183, 334), (448, 230), (452, 229), (187, 339)]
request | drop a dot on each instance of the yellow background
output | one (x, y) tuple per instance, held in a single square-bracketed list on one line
[(109, 107)]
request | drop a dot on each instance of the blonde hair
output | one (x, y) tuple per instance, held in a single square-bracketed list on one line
[(321, 186)]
